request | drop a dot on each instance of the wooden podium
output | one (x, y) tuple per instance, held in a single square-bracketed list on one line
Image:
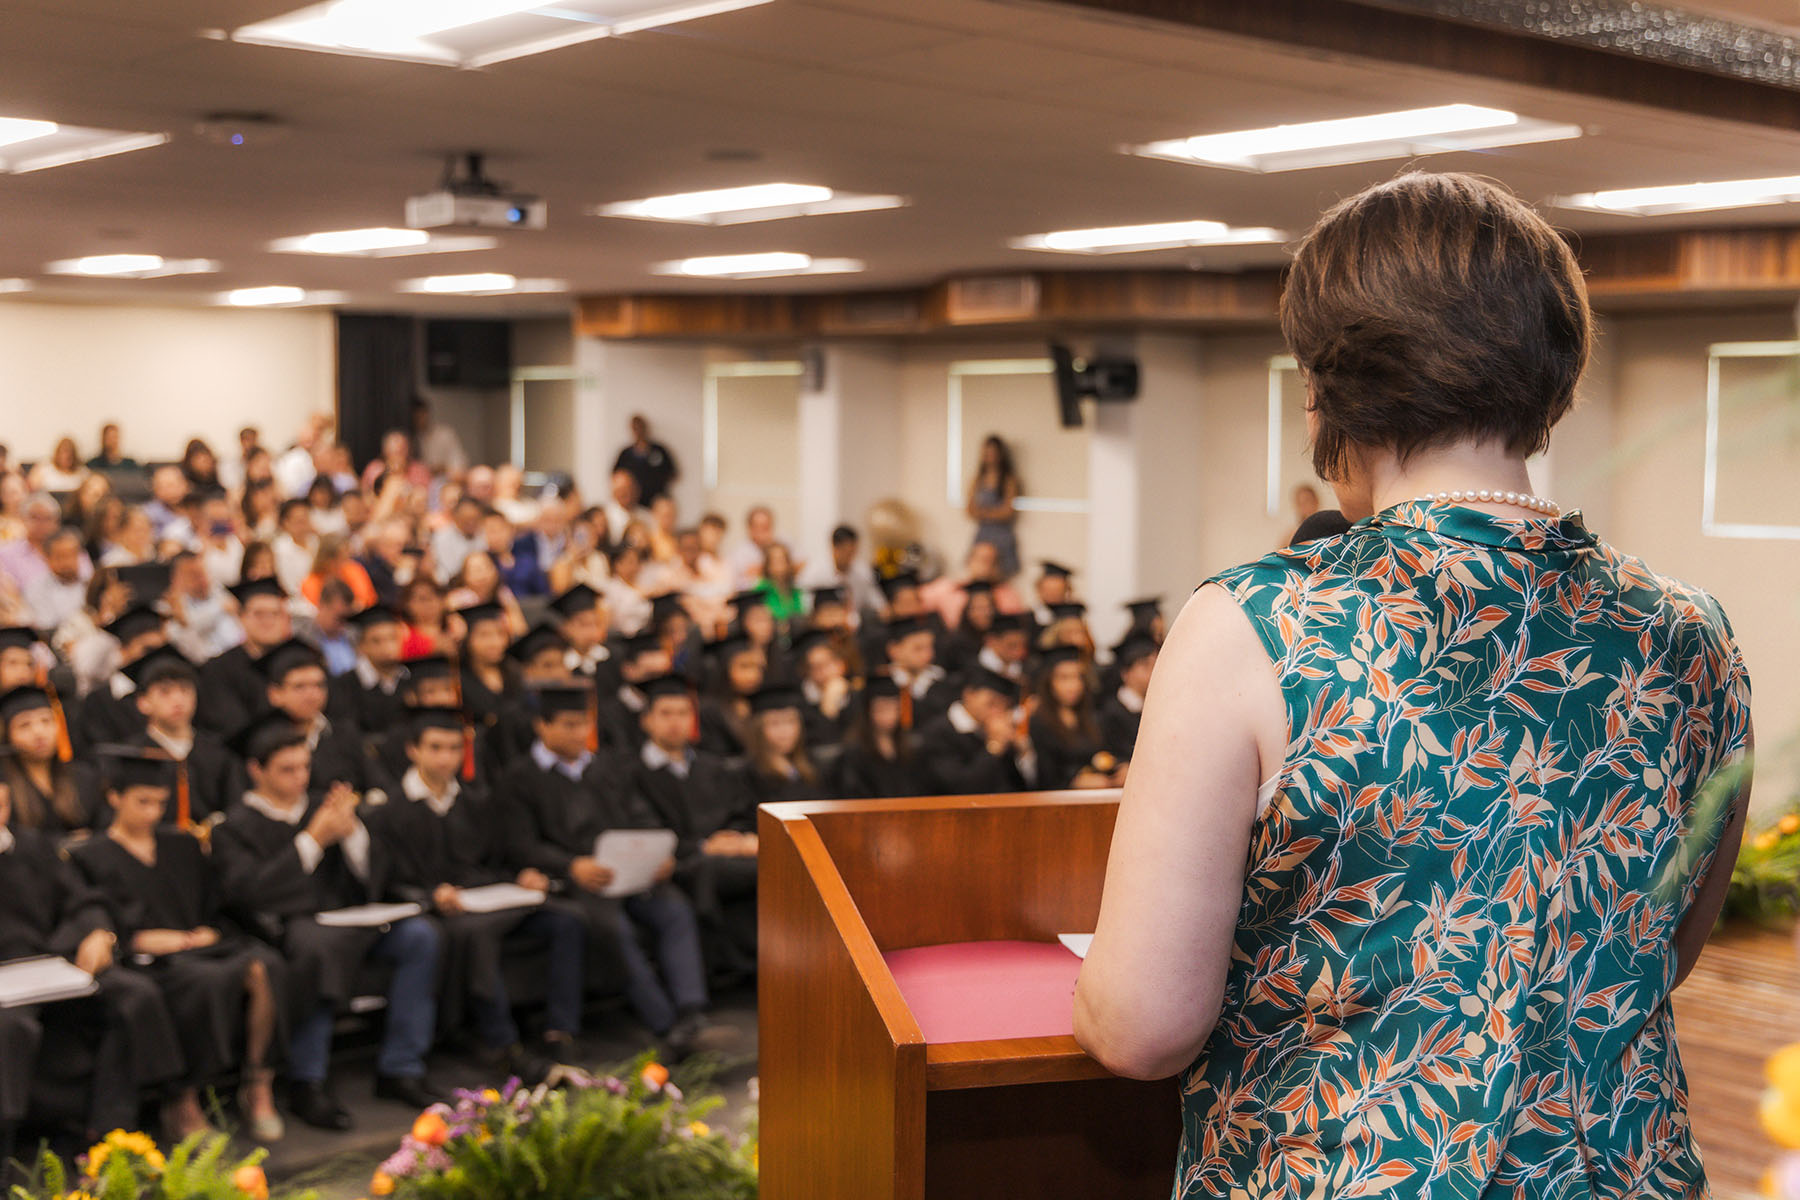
[(856, 1104)]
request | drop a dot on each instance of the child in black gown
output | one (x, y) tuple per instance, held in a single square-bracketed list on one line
[(778, 767), (877, 760), (1065, 730)]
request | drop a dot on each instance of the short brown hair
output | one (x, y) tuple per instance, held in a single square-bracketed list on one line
[(1433, 308)]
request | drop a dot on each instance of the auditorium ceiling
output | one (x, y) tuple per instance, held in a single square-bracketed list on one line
[(996, 119)]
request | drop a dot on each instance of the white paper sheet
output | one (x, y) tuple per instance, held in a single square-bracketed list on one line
[(42, 981), (498, 897), (633, 855), (368, 916), (1077, 943)]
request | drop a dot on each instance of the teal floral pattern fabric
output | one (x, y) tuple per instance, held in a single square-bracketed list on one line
[(1512, 753)]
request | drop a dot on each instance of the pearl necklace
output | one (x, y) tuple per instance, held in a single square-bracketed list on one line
[(1493, 496)]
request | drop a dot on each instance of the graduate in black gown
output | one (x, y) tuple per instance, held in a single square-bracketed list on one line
[(777, 767), (539, 656), (369, 696), (739, 669), (232, 691), (979, 746), (557, 801), (581, 616), (1064, 729), (490, 679), (18, 657), (433, 681), (123, 1032), (443, 835), (222, 989), (109, 714), (926, 690), (1146, 622), (51, 792), (878, 759), (621, 713), (1120, 712), (205, 769), (827, 690), (285, 856), (297, 689), (958, 651), (703, 799)]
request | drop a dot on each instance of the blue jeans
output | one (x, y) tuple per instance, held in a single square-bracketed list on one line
[(411, 946), (566, 940), (666, 914)]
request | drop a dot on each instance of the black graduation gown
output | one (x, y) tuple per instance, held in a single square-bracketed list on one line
[(823, 731), (105, 719), (621, 725), (213, 774), (719, 728), (203, 989), (370, 709), (861, 774), (46, 908), (958, 764), (713, 797), (776, 789), (1118, 727), (90, 798), (957, 653), (1061, 753), (497, 730), (266, 890), (232, 692)]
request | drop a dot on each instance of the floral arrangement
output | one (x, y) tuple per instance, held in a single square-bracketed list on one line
[(615, 1137), (1780, 1114), (128, 1166), (1765, 883)]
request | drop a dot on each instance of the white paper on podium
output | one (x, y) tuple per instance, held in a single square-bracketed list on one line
[(367, 916), (42, 981), (498, 897), (633, 855), (1077, 943)]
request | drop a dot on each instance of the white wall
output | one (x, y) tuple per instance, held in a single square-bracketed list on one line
[(165, 374)]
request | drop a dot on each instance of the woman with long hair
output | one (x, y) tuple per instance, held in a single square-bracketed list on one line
[(62, 471), (739, 669), (425, 613), (1065, 731), (777, 766), (259, 562), (200, 465), (333, 560), (57, 796), (878, 759), (87, 499), (779, 585), (1427, 819), (479, 582), (260, 510), (993, 495)]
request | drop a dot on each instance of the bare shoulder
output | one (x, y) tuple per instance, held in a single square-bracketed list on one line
[(1214, 665)]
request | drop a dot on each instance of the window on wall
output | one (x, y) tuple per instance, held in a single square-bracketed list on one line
[(751, 439), (1752, 441), (1289, 460)]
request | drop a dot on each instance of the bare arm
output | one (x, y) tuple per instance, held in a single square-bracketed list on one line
[(1152, 985), (1697, 926)]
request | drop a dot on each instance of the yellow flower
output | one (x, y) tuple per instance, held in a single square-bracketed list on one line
[(1783, 1071), (698, 1128), (490, 1096), (1781, 1118), (1789, 823), (382, 1184), (1766, 840)]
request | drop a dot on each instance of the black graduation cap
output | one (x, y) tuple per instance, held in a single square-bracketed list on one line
[(422, 717), (1056, 570), (978, 587), (572, 603), (665, 685), (535, 641), (288, 657), (813, 637), (774, 699), (1142, 611), (903, 627), (147, 581), (376, 614), (135, 622), (899, 582), (251, 589), (667, 605), (747, 600), (477, 613), (992, 681), (1072, 609), (23, 700), (265, 735), (550, 699), (825, 597), (18, 637), (639, 643), (1010, 623), (123, 767), (160, 665), (1132, 649), (880, 686), (729, 646), (429, 666), (1058, 655)]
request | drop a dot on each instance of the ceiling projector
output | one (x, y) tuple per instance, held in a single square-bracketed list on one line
[(470, 200)]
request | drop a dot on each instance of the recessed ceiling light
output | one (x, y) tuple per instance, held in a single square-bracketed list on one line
[(131, 266), (488, 283), (1687, 197), (757, 266), (270, 296), (468, 33), (1122, 239), (760, 202), (8, 286), (1360, 139), (379, 242), (31, 145)]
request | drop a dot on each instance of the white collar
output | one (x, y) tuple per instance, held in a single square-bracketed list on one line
[(998, 665), (120, 685), (577, 661), (541, 755), (1133, 702), (178, 748), (257, 802), (921, 683), (812, 691), (369, 677), (414, 787), (961, 719), (656, 758), (631, 698), (321, 725)]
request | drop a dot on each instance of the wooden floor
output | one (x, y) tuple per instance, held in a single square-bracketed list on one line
[(1741, 1003)]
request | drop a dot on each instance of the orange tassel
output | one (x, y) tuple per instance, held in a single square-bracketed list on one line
[(593, 733), (906, 708), (468, 767), (184, 811), (65, 749)]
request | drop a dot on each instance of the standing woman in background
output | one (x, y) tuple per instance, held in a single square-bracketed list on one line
[(1402, 900), (992, 495)]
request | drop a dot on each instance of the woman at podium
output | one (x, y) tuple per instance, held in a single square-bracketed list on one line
[(1427, 819)]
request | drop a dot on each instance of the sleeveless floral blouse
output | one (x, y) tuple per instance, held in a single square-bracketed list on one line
[(1512, 753)]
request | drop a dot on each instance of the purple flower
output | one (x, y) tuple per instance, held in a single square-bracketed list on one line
[(402, 1163)]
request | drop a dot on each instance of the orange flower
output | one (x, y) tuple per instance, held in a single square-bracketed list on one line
[(1789, 823), (252, 1182), (655, 1075), (382, 1184), (430, 1129)]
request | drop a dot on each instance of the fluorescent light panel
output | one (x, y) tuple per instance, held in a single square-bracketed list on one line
[(485, 283), (757, 266), (270, 296), (379, 242), (1687, 197), (468, 33), (1369, 138), (1125, 239), (740, 205), (8, 286), (131, 266), (31, 145)]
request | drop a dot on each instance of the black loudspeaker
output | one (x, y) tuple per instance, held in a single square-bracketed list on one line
[(1107, 380), (468, 354)]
